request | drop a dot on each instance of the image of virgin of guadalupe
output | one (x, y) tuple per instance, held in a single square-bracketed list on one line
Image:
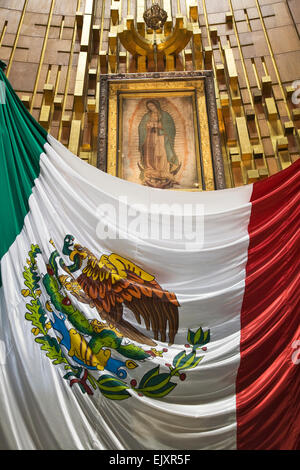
[(158, 162)]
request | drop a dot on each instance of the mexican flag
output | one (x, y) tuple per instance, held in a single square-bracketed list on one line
[(138, 318)]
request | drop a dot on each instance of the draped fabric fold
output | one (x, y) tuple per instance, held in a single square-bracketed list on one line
[(137, 318), (21, 143), (270, 318)]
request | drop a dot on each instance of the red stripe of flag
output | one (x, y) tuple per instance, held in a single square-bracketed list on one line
[(268, 381)]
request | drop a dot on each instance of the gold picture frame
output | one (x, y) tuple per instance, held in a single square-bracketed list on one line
[(161, 130)]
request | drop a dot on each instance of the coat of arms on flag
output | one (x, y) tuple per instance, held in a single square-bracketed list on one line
[(85, 346)]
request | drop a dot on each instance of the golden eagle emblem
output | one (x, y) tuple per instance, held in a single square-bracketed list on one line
[(112, 282)]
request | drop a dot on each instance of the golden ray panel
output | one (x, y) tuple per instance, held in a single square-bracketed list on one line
[(57, 51)]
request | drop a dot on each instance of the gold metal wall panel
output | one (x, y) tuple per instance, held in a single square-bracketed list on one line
[(55, 52)]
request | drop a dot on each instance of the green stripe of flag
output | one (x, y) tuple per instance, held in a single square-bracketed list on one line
[(22, 141)]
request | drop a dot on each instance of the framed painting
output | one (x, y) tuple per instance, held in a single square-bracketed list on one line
[(161, 130)]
